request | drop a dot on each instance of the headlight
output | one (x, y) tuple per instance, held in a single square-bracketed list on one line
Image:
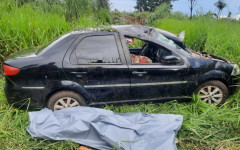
[(236, 70)]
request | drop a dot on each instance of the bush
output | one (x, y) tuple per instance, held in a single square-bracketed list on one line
[(160, 12), (142, 16), (117, 21), (103, 16), (51, 6), (178, 15), (77, 8)]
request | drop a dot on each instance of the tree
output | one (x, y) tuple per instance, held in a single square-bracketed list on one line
[(193, 3), (220, 4), (103, 4), (229, 14), (160, 12), (150, 5)]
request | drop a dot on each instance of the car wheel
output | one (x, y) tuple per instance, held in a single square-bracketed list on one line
[(213, 92), (65, 99)]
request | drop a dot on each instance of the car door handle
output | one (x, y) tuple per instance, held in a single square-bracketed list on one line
[(79, 74), (140, 74)]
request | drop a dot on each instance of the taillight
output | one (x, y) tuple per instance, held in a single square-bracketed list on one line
[(10, 71)]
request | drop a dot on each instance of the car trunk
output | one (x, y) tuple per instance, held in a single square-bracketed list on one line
[(12, 64)]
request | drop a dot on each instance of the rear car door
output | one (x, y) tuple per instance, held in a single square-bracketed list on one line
[(98, 64)]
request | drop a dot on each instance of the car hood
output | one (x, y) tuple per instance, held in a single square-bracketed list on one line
[(206, 55)]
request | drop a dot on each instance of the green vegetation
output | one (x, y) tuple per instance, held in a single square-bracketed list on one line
[(27, 23), (13, 135), (219, 37), (146, 17), (220, 4), (150, 5), (204, 126), (26, 27)]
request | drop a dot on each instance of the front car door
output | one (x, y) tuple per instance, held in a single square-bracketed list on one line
[(97, 62), (157, 80)]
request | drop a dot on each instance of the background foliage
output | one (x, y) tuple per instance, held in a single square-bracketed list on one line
[(219, 37), (29, 23), (150, 5)]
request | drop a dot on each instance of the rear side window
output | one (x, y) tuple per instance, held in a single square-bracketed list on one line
[(97, 49)]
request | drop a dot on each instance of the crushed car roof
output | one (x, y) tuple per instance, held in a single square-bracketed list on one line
[(139, 31)]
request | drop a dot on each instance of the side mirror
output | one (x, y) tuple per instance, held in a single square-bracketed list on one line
[(171, 59)]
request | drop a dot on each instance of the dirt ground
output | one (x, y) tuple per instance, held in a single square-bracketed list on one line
[(84, 148)]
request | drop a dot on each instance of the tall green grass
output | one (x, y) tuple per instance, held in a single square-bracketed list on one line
[(13, 124), (204, 126), (207, 127), (28, 23), (77, 8), (220, 37), (26, 27)]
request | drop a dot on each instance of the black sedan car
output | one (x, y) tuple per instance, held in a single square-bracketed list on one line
[(118, 64)]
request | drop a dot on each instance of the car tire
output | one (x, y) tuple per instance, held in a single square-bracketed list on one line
[(65, 99), (213, 92)]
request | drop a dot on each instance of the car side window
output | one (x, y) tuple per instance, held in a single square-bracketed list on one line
[(98, 49), (146, 52)]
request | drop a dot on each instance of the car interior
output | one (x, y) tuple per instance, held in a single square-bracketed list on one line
[(146, 52)]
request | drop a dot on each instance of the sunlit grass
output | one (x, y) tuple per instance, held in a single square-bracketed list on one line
[(13, 124), (219, 37), (31, 26), (204, 126), (208, 127)]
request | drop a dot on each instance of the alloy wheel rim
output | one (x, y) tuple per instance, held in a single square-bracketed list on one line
[(211, 95), (65, 102)]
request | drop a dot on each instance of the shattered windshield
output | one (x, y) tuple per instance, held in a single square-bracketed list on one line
[(158, 36)]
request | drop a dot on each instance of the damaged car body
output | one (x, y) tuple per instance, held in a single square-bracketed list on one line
[(92, 67)]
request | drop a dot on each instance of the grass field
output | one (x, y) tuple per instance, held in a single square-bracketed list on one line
[(13, 124), (31, 25), (204, 127), (219, 37)]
